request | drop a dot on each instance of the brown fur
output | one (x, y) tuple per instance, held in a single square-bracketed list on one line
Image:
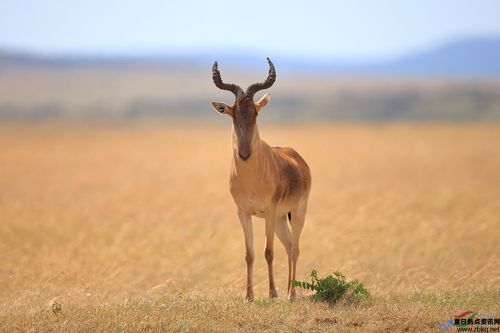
[(294, 173)]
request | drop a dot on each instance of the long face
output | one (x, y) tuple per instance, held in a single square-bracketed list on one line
[(244, 121), (244, 115), (244, 110)]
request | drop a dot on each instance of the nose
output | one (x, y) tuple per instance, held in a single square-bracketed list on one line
[(244, 156)]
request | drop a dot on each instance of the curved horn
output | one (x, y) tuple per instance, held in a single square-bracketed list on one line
[(234, 88), (266, 84)]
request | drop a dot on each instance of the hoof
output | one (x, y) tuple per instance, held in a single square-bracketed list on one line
[(273, 294), (249, 298)]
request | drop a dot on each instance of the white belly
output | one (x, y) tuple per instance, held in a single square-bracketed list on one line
[(251, 205), (255, 198)]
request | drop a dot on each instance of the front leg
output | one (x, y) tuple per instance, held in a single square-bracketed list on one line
[(269, 252), (246, 224)]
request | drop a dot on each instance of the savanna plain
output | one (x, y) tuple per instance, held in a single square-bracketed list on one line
[(130, 228)]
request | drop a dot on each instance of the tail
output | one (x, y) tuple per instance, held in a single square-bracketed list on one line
[(290, 217)]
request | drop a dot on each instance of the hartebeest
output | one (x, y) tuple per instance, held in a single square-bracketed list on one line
[(268, 182)]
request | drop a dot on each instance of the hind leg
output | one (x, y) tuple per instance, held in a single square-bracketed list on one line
[(297, 222), (269, 251), (284, 235)]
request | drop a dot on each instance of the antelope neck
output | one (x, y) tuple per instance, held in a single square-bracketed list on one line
[(252, 164)]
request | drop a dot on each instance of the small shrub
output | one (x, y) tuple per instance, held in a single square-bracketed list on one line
[(56, 307), (334, 287)]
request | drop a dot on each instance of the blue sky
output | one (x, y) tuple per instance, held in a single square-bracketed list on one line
[(350, 30)]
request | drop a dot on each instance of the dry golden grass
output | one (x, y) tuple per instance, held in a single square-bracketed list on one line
[(192, 313), (133, 228)]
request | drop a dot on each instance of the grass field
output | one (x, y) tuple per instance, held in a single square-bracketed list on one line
[(133, 228)]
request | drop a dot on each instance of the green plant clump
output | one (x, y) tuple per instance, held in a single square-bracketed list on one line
[(334, 287)]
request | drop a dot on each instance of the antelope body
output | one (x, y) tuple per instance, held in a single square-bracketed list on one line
[(268, 182)]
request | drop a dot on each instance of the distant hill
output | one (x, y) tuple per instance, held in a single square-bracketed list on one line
[(10, 60), (473, 57)]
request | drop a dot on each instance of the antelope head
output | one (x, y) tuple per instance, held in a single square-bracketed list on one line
[(244, 110)]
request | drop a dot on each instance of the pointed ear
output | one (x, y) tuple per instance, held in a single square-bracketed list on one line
[(262, 102), (222, 108)]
